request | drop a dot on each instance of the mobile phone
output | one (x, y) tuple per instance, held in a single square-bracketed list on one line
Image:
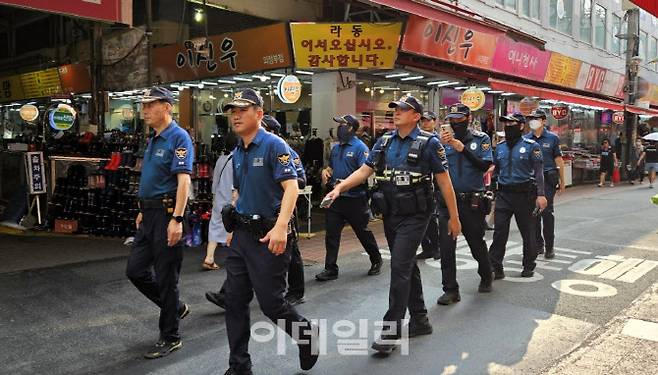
[(536, 212), (446, 128), (326, 202)]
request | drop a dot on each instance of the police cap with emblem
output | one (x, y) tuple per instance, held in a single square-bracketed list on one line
[(537, 113), (157, 93), (516, 117), (458, 110), (348, 120), (407, 102), (428, 115), (271, 124), (244, 98)]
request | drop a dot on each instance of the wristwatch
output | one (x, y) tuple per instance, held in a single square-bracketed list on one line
[(179, 219)]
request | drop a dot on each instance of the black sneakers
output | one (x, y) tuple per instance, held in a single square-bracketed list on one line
[(386, 343), (375, 269), (231, 371), (163, 349), (184, 311), (309, 352), (217, 299), (326, 275), (427, 255), (294, 300), (448, 298), (485, 286), (498, 274), (549, 254), (527, 272)]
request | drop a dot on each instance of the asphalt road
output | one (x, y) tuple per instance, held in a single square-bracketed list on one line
[(87, 318)]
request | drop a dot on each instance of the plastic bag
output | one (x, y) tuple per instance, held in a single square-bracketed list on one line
[(616, 176)]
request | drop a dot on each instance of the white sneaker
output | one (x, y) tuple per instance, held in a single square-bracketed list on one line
[(612, 185)]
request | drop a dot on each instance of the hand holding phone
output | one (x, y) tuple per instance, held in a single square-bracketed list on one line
[(326, 202)]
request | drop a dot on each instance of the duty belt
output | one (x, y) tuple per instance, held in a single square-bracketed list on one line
[(517, 188), (468, 196), (399, 178), (165, 202), (255, 224)]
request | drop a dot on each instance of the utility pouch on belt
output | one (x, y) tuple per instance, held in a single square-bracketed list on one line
[(229, 218), (169, 204), (412, 201), (378, 203)]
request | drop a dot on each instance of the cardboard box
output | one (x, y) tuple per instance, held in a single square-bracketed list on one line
[(65, 226)]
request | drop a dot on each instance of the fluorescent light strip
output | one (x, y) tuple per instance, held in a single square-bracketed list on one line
[(508, 94), (261, 77), (411, 78), (243, 79), (209, 83), (397, 75), (484, 88), (436, 83), (496, 91), (277, 75), (226, 81), (462, 87), (304, 72), (447, 84)]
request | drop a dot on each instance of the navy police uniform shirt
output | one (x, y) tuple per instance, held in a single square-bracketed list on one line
[(258, 171), (167, 154), (515, 166), (346, 158), (466, 178), (550, 148), (433, 159)]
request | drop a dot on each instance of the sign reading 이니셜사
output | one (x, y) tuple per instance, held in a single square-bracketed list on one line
[(221, 55), (345, 45)]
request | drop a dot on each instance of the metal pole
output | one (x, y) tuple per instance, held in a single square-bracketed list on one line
[(149, 33), (632, 50)]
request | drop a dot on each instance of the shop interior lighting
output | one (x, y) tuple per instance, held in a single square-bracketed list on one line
[(396, 75), (462, 87), (227, 90), (304, 72), (381, 91), (508, 94), (277, 75), (226, 81), (448, 84), (208, 83), (412, 78), (436, 83), (211, 97), (262, 78), (367, 89), (496, 91), (198, 15), (243, 79), (226, 95), (484, 88)]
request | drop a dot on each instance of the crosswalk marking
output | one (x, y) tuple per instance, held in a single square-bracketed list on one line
[(573, 251), (634, 274), (540, 264)]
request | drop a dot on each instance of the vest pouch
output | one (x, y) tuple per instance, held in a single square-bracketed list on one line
[(378, 203), (423, 202), (405, 203)]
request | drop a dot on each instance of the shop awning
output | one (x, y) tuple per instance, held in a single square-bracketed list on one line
[(641, 111), (544, 93), (650, 6)]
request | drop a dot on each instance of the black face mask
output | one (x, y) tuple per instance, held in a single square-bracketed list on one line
[(460, 129), (512, 133)]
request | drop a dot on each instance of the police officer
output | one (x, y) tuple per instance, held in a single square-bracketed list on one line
[(405, 162), (295, 294), (469, 157), (553, 175), (352, 205), (520, 171), (266, 182), (430, 242), (157, 252)]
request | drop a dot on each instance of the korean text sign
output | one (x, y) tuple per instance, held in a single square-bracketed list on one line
[(345, 45)]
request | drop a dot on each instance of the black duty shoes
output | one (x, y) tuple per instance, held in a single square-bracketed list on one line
[(448, 298), (294, 300), (419, 326), (326, 275), (184, 311), (163, 349), (498, 274), (527, 272), (217, 299), (375, 269), (549, 254)]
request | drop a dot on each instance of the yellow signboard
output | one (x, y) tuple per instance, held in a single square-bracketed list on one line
[(562, 70), (41, 83), (11, 89), (345, 45)]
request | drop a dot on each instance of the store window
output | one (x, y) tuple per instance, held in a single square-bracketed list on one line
[(600, 15), (560, 15), (643, 46), (530, 8), (507, 3), (653, 52), (615, 43), (586, 21)]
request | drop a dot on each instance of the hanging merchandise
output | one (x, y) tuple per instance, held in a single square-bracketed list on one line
[(62, 117)]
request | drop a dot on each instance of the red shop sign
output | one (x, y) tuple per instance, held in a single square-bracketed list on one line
[(595, 79), (560, 111), (618, 118)]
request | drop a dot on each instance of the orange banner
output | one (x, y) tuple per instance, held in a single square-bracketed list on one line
[(460, 44), (252, 50), (562, 70)]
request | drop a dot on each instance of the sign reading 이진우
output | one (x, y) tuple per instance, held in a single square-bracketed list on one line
[(345, 45), (221, 55)]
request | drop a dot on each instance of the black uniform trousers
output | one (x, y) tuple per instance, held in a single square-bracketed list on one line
[(521, 206), (403, 234), (473, 228), (150, 253), (551, 180), (430, 242), (355, 212), (252, 268)]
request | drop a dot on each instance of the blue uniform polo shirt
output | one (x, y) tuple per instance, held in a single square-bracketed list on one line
[(167, 154), (258, 171), (346, 158), (550, 148), (466, 178), (516, 166), (433, 159)]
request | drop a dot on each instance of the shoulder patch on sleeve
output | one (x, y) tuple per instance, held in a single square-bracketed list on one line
[(297, 161), (441, 152), (181, 153), (537, 152), (284, 159), (485, 146), (529, 140)]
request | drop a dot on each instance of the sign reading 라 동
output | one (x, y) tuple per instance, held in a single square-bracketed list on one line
[(345, 45)]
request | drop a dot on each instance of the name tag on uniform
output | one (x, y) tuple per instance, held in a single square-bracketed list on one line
[(159, 152), (350, 154), (547, 145), (402, 180), (258, 162)]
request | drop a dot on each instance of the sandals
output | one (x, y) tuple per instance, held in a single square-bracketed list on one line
[(209, 266)]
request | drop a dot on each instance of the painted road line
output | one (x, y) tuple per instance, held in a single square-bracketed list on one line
[(620, 269), (570, 256), (639, 271), (540, 264), (641, 329), (573, 251)]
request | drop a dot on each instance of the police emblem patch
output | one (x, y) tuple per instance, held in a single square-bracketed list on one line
[(441, 152), (181, 153), (297, 161), (537, 153), (365, 153), (284, 159), (522, 150), (238, 95), (486, 146)]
